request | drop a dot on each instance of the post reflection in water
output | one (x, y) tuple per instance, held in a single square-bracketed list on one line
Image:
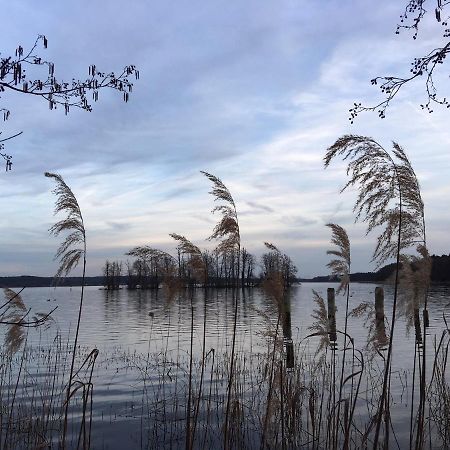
[(287, 332)]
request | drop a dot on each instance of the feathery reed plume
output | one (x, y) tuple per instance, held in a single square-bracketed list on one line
[(13, 300), (272, 247), (14, 312), (146, 252), (14, 317), (163, 261), (273, 282), (320, 326), (158, 264), (415, 273), (73, 248), (389, 197), (228, 231), (389, 194), (196, 262), (376, 335), (69, 253), (340, 266)]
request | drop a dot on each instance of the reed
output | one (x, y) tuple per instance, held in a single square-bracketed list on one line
[(227, 231), (69, 253), (301, 405), (197, 265), (274, 285), (389, 198), (340, 266)]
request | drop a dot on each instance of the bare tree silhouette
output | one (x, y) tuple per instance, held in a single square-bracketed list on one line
[(422, 67), (14, 78)]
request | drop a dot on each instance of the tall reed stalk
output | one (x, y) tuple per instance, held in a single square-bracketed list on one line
[(274, 285), (340, 266), (227, 230), (197, 265), (69, 253)]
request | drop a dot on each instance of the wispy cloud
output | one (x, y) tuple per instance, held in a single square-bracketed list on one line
[(252, 92)]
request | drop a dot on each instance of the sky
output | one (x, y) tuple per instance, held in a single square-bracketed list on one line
[(252, 92)]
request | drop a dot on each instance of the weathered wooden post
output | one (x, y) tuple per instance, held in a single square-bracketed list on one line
[(379, 304), (417, 329), (380, 327), (331, 314), (287, 333), (426, 318)]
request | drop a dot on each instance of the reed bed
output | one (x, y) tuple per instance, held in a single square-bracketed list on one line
[(146, 393)]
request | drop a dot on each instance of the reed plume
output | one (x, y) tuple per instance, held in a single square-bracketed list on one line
[(274, 283), (320, 326), (73, 248), (227, 229), (414, 278), (389, 193), (196, 262), (163, 264), (376, 333), (13, 314), (69, 253), (340, 266), (146, 252)]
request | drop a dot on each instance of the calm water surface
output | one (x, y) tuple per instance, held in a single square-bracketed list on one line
[(138, 331)]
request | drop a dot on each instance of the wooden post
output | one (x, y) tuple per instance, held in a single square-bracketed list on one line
[(331, 314), (287, 333), (426, 318), (417, 328), (380, 328), (379, 304)]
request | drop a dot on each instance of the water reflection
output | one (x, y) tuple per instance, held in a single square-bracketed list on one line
[(128, 326)]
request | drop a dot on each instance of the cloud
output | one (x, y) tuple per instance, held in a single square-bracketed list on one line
[(251, 92), (256, 207), (118, 226)]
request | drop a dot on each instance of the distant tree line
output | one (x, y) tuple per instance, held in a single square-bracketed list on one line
[(151, 267), (440, 273)]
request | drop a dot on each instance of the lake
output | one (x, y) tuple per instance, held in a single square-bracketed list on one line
[(140, 377)]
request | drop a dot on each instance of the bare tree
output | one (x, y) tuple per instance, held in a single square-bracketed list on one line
[(274, 264), (112, 271), (14, 78), (422, 67)]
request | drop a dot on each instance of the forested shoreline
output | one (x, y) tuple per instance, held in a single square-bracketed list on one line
[(440, 273)]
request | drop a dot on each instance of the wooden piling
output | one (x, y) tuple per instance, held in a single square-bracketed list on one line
[(380, 327), (287, 334), (331, 314), (417, 329), (379, 304)]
